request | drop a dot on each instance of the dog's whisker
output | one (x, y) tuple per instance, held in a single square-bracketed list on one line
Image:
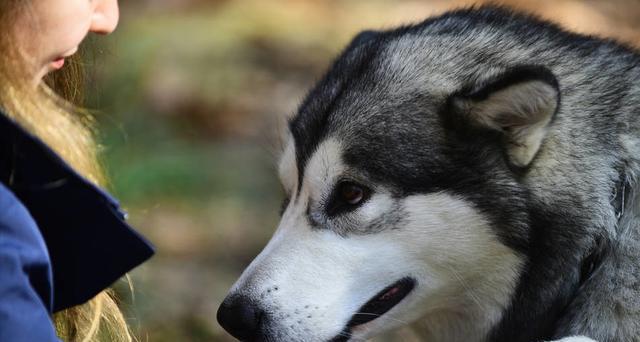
[(351, 337), (390, 316), (466, 286), (387, 315)]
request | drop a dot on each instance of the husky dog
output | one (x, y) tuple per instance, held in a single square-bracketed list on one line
[(476, 173)]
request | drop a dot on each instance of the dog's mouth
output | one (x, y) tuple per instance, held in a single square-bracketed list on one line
[(382, 302)]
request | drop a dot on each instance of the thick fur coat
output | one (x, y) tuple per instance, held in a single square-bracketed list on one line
[(498, 158)]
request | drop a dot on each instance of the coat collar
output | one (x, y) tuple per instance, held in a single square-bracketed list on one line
[(90, 244)]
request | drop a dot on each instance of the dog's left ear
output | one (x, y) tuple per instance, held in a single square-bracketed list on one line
[(519, 103)]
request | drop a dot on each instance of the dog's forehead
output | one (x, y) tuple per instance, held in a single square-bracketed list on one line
[(375, 134), (324, 165), (381, 100)]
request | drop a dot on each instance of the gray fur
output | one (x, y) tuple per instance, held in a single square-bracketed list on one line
[(385, 95), (388, 99)]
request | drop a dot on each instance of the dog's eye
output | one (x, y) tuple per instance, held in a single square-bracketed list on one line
[(351, 193), (347, 196)]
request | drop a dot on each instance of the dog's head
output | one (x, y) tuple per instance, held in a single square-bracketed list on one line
[(404, 199)]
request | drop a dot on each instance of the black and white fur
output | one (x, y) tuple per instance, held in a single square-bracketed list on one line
[(501, 156)]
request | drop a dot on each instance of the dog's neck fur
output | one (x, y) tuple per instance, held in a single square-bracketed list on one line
[(566, 257)]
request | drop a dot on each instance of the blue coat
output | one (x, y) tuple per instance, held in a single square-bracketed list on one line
[(62, 239)]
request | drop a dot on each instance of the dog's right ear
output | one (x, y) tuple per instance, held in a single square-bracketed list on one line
[(517, 104)]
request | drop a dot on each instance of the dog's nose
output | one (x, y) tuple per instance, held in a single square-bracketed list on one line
[(240, 317)]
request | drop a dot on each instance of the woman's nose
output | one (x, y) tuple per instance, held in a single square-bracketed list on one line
[(105, 16)]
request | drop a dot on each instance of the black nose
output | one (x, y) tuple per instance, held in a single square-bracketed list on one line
[(241, 318)]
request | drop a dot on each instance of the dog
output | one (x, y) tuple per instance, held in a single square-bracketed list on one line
[(475, 174)]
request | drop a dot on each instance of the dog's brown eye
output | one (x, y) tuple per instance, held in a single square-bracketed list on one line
[(346, 197), (351, 193)]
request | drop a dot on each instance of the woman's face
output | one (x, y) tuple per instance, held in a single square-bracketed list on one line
[(52, 30)]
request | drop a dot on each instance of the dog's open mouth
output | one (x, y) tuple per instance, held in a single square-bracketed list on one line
[(382, 302)]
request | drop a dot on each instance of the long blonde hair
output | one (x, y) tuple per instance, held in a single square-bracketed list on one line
[(50, 111)]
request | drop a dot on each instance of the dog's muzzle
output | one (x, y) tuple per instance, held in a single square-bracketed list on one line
[(245, 320)]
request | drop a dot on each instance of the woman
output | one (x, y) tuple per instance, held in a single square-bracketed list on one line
[(62, 239)]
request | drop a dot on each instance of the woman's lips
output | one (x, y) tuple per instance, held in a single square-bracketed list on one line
[(58, 63)]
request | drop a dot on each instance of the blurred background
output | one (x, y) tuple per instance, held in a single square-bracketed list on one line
[(192, 95)]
